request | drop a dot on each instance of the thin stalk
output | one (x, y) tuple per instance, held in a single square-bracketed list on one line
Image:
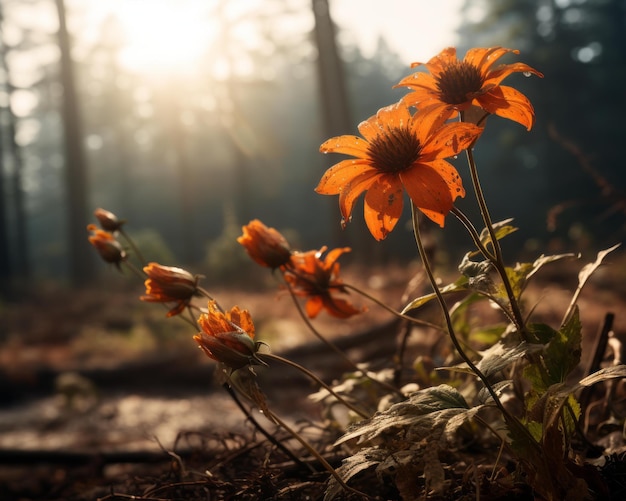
[(263, 431), (464, 220), (136, 250), (136, 271), (308, 373), (446, 315), (319, 457), (498, 262), (413, 320), (331, 345)]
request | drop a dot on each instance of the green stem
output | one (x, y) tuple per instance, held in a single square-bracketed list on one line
[(473, 233), (446, 314), (497, 259), (308, 373)]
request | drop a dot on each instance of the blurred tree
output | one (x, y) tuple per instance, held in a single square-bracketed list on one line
[(580, 46), (14, 261), (80, 255)]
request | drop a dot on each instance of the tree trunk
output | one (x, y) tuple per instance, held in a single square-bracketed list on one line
[(80, 255)]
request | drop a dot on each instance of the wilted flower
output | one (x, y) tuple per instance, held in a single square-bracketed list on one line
[(108, 221), (265, 245), (228, 337), (166, 284), (317, 279), (455, 85), (107, 245), (399, 152)]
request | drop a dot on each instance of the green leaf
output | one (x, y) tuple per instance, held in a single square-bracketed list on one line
[(541, 333), (501, 230), (459, 285), (488, 335), (563, 352), (521, 273)]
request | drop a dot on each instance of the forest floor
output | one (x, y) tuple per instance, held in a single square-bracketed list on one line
[(102, 397)]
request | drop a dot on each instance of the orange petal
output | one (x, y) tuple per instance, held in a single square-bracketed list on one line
[(433, 187), (370, 128), (501, 72), (348, 145), (507, 102), (394, 116), (339, 308), (482, 58), (351, 191), (419, 82), (242, 319), (449, 140), (383, 206), (341, 174), (313, 306), (429, 118), (437, 63), (333, 255)]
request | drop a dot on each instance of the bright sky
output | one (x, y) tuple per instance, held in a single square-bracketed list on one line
[(172, 33), (415, 29)]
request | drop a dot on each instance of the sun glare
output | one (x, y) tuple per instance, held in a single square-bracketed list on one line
[(168, 36)]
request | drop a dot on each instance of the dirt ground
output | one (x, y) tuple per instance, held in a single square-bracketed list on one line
[(101, 397)]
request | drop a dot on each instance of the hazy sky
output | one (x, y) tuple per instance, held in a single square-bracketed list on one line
[(415, 29)]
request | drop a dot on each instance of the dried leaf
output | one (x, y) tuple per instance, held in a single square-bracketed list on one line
[(584, 275), (360, 461), (497, 358), (415, 416)]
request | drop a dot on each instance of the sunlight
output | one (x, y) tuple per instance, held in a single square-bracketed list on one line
[(164, 37)]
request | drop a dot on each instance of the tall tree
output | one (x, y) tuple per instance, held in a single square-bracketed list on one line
[(81, 268)]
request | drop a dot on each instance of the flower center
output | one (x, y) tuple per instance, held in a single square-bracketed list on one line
[(395, 150), (458, 80)]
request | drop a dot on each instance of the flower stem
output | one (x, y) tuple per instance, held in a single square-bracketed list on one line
[(473, 233), (256, 424), (333, 346), (308, 373), (416, 321), (446, 314), (319, 457), (136, 250), (497, 259)]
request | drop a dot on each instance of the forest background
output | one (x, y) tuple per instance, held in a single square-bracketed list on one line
[(193, 145)]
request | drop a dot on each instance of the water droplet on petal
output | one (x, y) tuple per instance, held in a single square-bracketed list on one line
[(526, 73)]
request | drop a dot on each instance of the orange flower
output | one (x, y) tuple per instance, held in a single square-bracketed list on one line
[(455, 85), (167, 284), (398, 150), (107, 245), (228, 337), (316, 279), (265, 245), (108, 221)]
